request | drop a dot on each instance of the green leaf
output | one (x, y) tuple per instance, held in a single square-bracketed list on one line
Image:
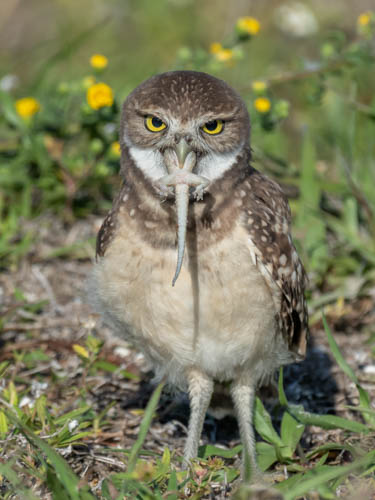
[(40, 406), (172, 486), (145, 425), (3, 367), (266, 455), (332, 446), (71, 415), (74, 438), (263, 425), (209, 450), (291, 431), (326, 421), (166, 458), (3, 424)]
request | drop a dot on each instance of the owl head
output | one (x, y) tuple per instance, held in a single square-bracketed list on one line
[(185, 107)]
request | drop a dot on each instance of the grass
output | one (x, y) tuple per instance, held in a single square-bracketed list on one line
[(63, 431)]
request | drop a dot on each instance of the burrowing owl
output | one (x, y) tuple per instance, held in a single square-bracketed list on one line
[(233, 310)]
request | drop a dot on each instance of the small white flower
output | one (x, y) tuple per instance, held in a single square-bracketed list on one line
[(66, 451), (9, 82), (38, 388), (26, 401), (296, 19), (73, 424), (123, 352)]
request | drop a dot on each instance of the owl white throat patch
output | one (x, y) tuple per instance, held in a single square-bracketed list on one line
[(212, 165)]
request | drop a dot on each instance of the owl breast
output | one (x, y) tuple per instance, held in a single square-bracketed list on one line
[(208, 319)]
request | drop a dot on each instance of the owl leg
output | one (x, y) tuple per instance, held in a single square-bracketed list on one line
[(243, 392), (200, 391)]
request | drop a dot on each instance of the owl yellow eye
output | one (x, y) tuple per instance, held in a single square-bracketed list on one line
[(213, 127), (154, 124)]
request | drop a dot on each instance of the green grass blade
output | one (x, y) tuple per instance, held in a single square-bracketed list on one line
[(326, 421), (63, 472), (145, 425), (364, 397), (337, 353), (282, 396), (172, 487)]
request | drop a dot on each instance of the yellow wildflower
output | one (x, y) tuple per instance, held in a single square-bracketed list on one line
[(262, 104), (99, 95), (88, 81), (115, 148), (364, 19), (98, 61), (215, 47), (224, 55), (248, 25), (259, 86), (27, 107)]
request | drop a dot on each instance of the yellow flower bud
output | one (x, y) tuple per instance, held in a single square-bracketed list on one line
[(215, 47), (248, 25), (88, 81), (364, 19), (98, 61), (27, 107), (99, 95), (115, 148), (259, 86), (224, 55), (262, 104)]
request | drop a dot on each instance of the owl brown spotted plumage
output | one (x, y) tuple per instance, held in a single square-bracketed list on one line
[(235, 310)]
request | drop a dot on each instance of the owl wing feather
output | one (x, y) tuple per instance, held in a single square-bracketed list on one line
[(108, 228), (268, 221)]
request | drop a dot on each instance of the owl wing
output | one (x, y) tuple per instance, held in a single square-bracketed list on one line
[(268, 222), (108, 228)]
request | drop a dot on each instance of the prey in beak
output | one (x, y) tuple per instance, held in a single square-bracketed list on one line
[(180, 162)]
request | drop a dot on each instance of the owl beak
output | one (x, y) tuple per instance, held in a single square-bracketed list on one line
[(182, 149)]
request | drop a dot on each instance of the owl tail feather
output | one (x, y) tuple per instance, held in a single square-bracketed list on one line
[(182, 203)]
